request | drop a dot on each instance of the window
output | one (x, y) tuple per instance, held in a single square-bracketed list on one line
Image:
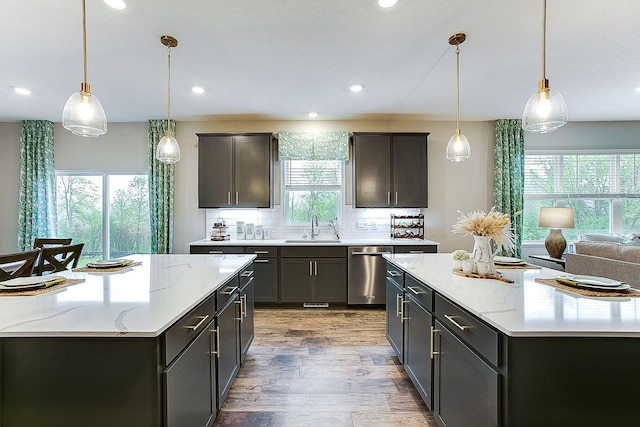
[(602, 188), (312, 187), (108, 212)]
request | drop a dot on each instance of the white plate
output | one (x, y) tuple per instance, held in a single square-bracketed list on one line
[(593, 280), (107, 263), (622, 287), (506, 260), (20, 282)]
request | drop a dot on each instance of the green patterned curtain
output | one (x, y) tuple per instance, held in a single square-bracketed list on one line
[(161, 185), (37, 200), (333, 145), (508, 186)]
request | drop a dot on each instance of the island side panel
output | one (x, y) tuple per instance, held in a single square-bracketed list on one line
[(81, 381)]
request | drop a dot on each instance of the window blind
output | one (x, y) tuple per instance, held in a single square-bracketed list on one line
[(302, 174)]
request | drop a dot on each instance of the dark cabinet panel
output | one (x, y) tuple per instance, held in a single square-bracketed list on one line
[(330, 280), (295, 280), (395, 299), (247, 317), (190, 399), (234, 170), (390, 170), (417, 347), (313, 280), (228, 348), (466, 389), (265, 273)]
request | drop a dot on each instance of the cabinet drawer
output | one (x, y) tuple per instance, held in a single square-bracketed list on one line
[(246, 276), (206, 249), (226, 292), (184, 330), (415, 249), (418, 290), (262, 251), (395, 275), (471, 330), (313, 252)]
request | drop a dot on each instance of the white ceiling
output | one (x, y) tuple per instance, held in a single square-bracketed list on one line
[(279, 59)]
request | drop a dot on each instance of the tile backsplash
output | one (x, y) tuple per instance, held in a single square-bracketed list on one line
[(355, 223)]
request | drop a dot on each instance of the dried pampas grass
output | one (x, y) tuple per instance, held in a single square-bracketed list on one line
[(494, 224)]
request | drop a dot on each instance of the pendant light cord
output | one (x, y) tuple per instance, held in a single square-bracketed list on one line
[(457, 88), (84, 39), (544, 39), (169, 90)]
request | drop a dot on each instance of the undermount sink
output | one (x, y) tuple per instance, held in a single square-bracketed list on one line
[(319, 241)]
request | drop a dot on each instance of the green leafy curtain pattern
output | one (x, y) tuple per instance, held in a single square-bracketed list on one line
[(161, 188), (332, 145), (508, 186), (37, 199)]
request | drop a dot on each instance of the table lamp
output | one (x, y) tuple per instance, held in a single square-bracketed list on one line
[(555, 218)]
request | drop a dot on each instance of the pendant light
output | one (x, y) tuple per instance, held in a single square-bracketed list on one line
[(546, 110), (83, 114), (168, 150), (458, 149)]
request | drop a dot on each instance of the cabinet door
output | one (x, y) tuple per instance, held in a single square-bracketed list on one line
[(372, 171), (252, 171), (417, 348), (189, 396), (247, 323), (265, 272), (466, 389), (330, 276), (394, 318), (409, 171), (228, 357), (215, 171), (295, 279)]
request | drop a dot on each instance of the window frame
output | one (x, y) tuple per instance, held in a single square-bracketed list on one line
[(340, 189), (559, 198)]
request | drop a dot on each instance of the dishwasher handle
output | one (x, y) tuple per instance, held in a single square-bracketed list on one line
[(371, 253)]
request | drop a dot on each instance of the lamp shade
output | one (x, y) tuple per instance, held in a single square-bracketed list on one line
[(458, 148), (556, 218), (168, 150), (545, 111), (83, 115)]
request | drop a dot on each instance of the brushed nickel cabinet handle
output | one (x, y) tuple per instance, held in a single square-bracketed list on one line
[(398, 296), (310, 268), (236, 197), (247, 273), (260, 252), (315, 264), (261, 260), (216, 252), (394, 273), (396, 198), (414, 291), (239, 302), (229, 198), (404, 301), (202, 320), (431, 342), (388, 197), (451, 318), (217, 352), (244, 298), (416, 252)]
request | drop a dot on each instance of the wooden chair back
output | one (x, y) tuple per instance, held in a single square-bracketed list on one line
[(17, 265), (42, 242), (58, 258)]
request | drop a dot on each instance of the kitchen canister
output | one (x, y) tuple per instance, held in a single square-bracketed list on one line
[(259, 233), (249, 231), (266, 234), (240, 230)]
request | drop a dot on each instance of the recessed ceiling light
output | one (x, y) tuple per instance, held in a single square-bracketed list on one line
[(387, 3), (197, 89), (21, 90), (638, 89), (116, 4), (356, 87), (312, 114)]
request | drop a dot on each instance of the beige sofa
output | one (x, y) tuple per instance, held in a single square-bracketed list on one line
[(618, 260)]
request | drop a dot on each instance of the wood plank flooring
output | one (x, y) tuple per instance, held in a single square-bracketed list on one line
[(322, 367)]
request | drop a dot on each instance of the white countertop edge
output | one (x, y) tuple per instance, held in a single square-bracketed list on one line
[(341, 242)]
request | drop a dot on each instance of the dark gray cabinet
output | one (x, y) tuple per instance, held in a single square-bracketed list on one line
[(234, 170), (395, 300), (317, 274), (390, 170), (417, 347), (265, 273), (466, 388), (246, 299), (228, 346)]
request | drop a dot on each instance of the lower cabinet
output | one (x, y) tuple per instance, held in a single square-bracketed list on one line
[(466, 389), (418, 354), (247, 331), (266, 279), (395, 334), (313, 280), (190, 384), (227, 351)]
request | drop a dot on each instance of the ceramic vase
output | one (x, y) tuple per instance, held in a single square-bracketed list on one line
[(483, 253)]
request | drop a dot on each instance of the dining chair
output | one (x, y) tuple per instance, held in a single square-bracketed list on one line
[(17, 265), (58, 258), (41, 242)]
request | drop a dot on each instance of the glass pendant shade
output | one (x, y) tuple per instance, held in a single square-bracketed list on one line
[(83, 115), (168, 150), (458, 148), (545, 111)]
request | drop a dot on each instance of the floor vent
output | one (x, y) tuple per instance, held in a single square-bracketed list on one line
[(315, 305)]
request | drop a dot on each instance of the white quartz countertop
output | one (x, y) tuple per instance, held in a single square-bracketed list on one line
[(142, 300), (321, 242), (526, 307)]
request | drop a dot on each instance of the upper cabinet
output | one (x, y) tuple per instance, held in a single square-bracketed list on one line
[(390, 170), (234, 170)]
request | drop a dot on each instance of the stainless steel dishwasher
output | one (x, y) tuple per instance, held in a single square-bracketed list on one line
[(367, 275)]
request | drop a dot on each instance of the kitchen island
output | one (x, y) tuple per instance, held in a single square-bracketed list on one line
[(156, 344), (484, 352)]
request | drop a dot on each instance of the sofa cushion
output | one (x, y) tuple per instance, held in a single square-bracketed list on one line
[(629, 253), (598, 237)]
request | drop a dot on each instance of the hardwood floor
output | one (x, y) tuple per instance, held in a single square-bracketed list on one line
[(322, 367)]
